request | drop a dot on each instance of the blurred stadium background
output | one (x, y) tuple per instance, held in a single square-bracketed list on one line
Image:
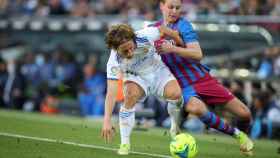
[(53, 56)]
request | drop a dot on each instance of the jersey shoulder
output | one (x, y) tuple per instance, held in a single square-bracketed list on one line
[(185, 24), (113, 66), (148, 34)]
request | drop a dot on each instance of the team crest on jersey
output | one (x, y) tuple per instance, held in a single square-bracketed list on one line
[(145, 50)]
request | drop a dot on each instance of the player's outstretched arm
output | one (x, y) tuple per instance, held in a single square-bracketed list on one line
[(108, 130)]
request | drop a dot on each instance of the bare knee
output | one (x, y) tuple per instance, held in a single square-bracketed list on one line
[(130, 99), (132, 94), (196, 107), (172, 90)]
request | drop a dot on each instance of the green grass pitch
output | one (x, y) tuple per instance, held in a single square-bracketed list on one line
[(29, 135)]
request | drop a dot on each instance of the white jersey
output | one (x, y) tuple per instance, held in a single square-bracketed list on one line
[(145, 59)]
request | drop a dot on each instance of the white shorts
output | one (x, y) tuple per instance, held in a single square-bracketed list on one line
[(152, 83)]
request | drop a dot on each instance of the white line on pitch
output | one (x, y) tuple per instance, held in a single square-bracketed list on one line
[(77, 144)]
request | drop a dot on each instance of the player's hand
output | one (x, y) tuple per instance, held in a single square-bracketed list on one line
[(166, 31), (165, 47), (108, 131)]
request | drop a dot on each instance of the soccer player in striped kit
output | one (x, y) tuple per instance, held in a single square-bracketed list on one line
[(198, 86)]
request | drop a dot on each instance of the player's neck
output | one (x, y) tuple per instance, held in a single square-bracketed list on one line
[(166, 23)]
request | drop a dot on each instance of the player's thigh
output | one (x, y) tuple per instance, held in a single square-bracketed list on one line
[(165, 85), (172, 90), (238, 108), (133, 92)]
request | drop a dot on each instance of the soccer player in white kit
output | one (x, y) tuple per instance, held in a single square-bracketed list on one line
[(134, 55)]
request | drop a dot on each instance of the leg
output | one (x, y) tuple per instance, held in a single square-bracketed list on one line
[(172, 93), (198, 108), (239, 109), (132, 93), (212, 92)]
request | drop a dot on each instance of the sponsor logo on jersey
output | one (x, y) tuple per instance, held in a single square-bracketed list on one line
[(142, 40)]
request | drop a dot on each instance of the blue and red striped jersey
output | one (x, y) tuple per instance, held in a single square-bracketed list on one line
[(186, 71)]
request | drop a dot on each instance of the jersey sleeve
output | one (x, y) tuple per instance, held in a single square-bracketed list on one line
[(113, 67), (151, 33), (186, 31)]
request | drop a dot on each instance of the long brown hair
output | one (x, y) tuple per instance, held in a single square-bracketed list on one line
[(119, 34)]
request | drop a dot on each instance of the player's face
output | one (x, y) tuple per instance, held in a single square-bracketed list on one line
[(171, 10), (126, 49)]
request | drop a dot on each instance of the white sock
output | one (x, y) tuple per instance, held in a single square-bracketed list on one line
[(173, 114), (126, 122), (173, 108)]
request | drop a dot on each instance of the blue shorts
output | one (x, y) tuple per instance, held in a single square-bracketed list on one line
[(189, 92)]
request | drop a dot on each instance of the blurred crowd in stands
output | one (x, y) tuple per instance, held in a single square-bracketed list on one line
[(62, 82), (147, 8), (265, 64), (270, 63), (39, 81)]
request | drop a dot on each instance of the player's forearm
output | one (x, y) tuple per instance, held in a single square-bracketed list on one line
[(110, 102), (178, 40), (191, 53)]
